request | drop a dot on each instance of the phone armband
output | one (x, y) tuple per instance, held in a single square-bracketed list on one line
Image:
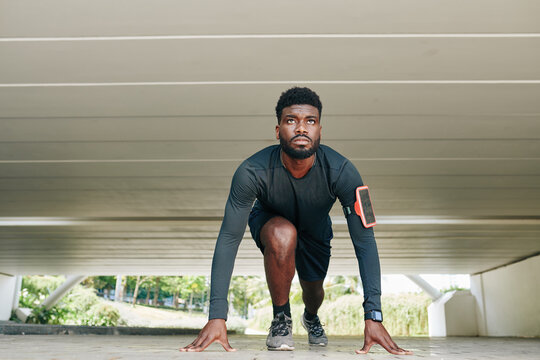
[(363, 206)]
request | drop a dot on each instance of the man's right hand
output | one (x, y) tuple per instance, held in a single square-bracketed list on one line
[(214, 330)]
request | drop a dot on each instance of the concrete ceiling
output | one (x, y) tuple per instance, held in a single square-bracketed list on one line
[(121, 124)]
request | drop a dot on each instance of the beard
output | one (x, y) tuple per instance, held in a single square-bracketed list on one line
[(299, 153)]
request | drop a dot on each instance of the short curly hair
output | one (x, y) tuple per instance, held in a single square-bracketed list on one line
[(298, 96)]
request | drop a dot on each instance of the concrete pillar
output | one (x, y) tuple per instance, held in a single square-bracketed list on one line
[(453, 314), (52, 299), (119, 289), (8, 290), (507, 299), (450, 314), (62, 290), (424, 285), (17, 292)]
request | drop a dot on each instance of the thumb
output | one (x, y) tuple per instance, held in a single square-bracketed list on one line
[(226, 345), (365, 349)]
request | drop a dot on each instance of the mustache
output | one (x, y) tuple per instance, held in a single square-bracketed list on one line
[(300, 135)]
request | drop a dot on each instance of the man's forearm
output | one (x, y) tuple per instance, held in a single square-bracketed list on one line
[(230, 235), (222, 267), (365, 248)]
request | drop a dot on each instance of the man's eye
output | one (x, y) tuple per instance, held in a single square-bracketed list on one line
[(290, 121), (311, 122)]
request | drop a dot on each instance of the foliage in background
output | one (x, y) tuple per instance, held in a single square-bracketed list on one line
[(404, 315), (248, 291), (253, 291), (35, 289), (453, 288), (80, 306), (342, 311), (184, 288), (100, 282), (157, 291)]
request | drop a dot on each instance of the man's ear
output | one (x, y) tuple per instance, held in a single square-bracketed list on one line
[(277, 132)]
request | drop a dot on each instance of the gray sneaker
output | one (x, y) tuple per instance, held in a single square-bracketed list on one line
[(280, 335), (316, 335)]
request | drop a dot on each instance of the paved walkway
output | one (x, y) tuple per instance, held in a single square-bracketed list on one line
[(82, 347)]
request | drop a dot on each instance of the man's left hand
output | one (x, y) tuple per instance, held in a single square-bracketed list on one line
[(375, 333)]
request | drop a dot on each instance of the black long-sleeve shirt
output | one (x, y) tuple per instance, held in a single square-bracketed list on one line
[(305, 202)]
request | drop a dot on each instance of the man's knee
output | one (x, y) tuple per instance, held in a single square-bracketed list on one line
[(278, 236), (312, 287)]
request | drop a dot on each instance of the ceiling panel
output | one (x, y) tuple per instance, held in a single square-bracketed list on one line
[(271, 59), (26, 18), (223, 182), (342, 99), (399, 167), (226, 150), (126, 120), (409, 248), (261, 127)]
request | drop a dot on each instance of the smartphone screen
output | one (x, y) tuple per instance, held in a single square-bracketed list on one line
[(363, 206)]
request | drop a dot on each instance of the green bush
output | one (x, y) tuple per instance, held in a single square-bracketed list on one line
[(404, 315), (80, 306), (40, 315), (100, 314), (35, 289)]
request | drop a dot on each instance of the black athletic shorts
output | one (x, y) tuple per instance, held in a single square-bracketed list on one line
[(312, 257)]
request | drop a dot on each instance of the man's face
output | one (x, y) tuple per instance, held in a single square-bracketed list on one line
[(299, 131)]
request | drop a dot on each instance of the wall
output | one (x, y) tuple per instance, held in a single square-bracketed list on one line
[(508, 299)]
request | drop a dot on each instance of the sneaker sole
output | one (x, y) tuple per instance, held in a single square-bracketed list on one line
[(283, 347)]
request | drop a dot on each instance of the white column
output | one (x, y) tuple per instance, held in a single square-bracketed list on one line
[(477, 290), (450, 314), (424, 285), (453, 314), (17, 292), (118, 290), (7, 293), (62, 290)]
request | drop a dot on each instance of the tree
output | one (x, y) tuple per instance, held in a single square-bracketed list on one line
[(192, 285), (174, 284), (239, 295), (138, 282), (156, 290), (147, 285), (103, 283), (249, 290)]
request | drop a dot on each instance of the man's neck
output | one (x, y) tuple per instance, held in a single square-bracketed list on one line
[(297, 167)]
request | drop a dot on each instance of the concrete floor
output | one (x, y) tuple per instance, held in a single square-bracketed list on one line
[(82, 347)]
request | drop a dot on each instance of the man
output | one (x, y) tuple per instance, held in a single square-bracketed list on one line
[(294, 186)]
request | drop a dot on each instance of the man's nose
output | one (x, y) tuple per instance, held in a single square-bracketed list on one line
[(301, 127)]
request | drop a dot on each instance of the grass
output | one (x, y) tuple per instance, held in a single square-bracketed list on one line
[(404, 315)]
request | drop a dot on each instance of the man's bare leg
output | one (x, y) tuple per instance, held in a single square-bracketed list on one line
[(312, 294), (278, 236)]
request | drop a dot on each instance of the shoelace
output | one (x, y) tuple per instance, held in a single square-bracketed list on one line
[(315, 327), (280, 326)]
